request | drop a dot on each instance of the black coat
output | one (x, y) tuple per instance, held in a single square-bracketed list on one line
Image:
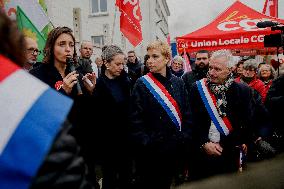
[(149, 121), (109, 129), (248, 116), (275, 103), (50, 75), (190, 77), (63, 167)]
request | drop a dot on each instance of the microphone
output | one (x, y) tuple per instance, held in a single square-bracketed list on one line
[(70, 62), (266, 24)]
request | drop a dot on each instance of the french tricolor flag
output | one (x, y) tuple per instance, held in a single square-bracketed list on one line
[(31, 115)]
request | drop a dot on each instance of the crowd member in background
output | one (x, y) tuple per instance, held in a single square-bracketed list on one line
[(160, 120), (134, 66), (84, 60), (249, 77), (225, 116), (97, 66), (275, 105), (61, 166), (239, 69), (177, 66), (32, 52), (109, 134), (56, 72), (145, 68), (266, 74), (200, 71)]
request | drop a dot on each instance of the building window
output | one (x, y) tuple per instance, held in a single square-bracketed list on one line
[(98, 6), (98, 41)]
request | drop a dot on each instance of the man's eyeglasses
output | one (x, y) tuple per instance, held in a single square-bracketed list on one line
[(34, 51), (203, 58)]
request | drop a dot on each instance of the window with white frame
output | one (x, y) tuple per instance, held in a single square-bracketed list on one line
[(98, 41), (98, 6)]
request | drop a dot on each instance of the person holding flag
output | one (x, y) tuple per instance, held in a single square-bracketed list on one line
[(226, 115), (160, 121)]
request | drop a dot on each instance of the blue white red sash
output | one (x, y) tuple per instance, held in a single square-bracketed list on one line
[(164, 98), (31, 114), (223, 125)]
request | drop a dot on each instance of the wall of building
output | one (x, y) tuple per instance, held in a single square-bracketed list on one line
[(154, 22)]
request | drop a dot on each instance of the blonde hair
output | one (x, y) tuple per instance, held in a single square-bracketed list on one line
[(162, 46)]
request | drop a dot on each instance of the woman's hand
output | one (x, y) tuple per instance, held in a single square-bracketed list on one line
[(89, 81), (69, 81)]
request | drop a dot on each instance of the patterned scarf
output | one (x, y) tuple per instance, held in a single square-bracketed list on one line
[(220, 93)]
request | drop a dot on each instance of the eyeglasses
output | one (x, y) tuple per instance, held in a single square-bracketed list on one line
[(34, 51), (203, 58)]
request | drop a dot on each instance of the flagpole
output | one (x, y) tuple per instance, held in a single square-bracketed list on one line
[(113, 25), (276, 7)]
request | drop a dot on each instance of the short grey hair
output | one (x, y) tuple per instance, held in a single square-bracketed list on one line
[(110, 52), (250, 63), (273, 73), (178, 58), (224, 53)]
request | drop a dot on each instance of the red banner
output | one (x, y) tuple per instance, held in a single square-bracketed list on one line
[(130, 20), (270, 8)]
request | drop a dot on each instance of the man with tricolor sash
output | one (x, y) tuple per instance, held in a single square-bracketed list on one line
[(227, 116)]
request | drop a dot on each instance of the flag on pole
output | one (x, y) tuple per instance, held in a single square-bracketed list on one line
[(130, 20), (169, 39), (29, 29), (270, 8), (31, 116), (186, 65), (32, 8)]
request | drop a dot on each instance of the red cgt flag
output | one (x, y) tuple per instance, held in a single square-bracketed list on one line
[(130, 20), (186, 65), (270, 8)]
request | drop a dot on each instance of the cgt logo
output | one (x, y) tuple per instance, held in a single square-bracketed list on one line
[(244, 24)]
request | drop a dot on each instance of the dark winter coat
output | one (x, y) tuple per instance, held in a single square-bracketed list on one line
[(63, 167), (248, 116), (50, 75), (110, 108), (134, 70), (190, 78), (275, 103), (150, 122)]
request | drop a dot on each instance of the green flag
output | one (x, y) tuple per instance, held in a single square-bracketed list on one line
[(29, 30), (49, 26)]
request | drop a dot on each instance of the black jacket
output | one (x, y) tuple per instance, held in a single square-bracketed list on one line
[(275, 103), (134, 70), (248, 116), (107, 132), (63, 167), (149, 121), (190, 77), (50, 75)]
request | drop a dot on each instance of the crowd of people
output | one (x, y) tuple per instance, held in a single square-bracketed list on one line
[(149, 125)]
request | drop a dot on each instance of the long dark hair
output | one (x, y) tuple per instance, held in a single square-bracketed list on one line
[(11, 40), (50, 42)]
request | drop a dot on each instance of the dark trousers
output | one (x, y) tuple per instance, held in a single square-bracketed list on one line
[(203, 165)]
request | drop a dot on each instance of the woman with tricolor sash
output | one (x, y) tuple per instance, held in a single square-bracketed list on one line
[(160, 121)]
